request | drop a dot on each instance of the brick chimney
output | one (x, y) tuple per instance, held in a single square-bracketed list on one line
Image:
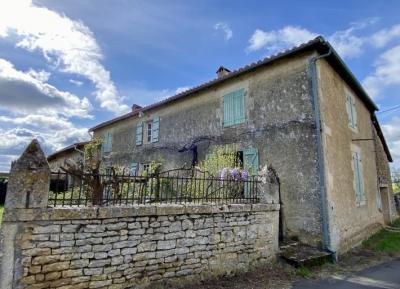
[(222, 71), (136, 108)]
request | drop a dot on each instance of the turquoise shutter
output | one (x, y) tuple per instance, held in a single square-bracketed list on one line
[(107, 142), (239, 106), (250, 164), (228, 110), (155, 129), (234, 108), (358, 178), (110, 139), (133, 169), (250, 160), (354, 112), (139, 133)]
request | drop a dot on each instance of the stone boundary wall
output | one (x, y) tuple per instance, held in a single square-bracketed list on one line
[(136, 246)]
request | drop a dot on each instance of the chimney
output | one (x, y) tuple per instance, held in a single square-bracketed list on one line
[(136, 108), (222, 71)]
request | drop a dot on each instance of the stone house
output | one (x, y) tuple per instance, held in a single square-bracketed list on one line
[(72, 152), (302, 112)]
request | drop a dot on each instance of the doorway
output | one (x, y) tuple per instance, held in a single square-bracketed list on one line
[(386, 208)]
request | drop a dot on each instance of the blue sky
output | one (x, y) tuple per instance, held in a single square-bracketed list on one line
[(66, 65)]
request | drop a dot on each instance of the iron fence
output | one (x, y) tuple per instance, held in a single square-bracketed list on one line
[(176, 186)]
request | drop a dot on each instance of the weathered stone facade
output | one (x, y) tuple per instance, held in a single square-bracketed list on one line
[(121, 247), (350, 223), (279, 123)]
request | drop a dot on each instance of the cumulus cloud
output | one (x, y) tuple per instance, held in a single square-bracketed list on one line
[(386, 73), (27, 92), (225, 28), (276, 40), (67, 44), (347, 42)]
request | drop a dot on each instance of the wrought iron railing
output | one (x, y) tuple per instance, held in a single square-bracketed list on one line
[(176, 186)]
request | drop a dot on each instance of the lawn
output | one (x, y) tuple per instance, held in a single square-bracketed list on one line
[(1, 213), (385, 241)]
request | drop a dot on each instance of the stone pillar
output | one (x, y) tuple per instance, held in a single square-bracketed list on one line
[(28, 185), (269, 189)]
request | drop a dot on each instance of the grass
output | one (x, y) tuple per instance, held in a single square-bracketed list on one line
[(385, 241), (1, 213), (304, 272)]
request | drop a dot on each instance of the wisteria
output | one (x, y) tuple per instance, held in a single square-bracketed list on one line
[(233, 174)]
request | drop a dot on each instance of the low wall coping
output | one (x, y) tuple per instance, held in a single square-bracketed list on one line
[(79, 213)]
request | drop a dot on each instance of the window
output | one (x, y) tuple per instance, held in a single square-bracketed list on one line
[(139, 134), (133, 169), (234, 108), (152, 130), (351, 111), (149, 132), (358, 178), (107, 142)]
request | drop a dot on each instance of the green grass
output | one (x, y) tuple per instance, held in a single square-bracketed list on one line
[(385, 241), (1, 213), (304, 272)]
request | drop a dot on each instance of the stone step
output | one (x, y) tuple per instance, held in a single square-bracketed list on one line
[(298, 255)]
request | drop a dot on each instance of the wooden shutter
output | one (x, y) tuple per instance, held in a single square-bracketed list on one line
[(239, 106), (107, 142), (250, 160), (354, 112), (133, 169), (155, 129), (234, 108), (110, 139), (229, 106), (358, 178), (351, 111), (139, 133)]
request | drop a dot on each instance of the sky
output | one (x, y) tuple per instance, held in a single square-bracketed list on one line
[(67, 65)]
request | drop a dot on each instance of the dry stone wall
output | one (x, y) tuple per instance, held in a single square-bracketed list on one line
[(135, 247)]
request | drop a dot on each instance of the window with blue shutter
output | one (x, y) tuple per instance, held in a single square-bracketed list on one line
[(139, 133), (250, 161), (107, 142), (351, 111), (250, 164), (358, 178), (155, 129), (133, 169), (234, 108)]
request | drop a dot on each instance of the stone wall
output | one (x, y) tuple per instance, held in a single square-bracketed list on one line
[(134, 246), (123, 247)]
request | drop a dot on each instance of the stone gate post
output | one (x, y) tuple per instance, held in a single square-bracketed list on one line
[(269, 187), (28, 188)]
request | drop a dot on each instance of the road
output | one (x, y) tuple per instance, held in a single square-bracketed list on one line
[(386, 275)]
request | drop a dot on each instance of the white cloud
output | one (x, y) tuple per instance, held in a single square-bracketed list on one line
[(26, 92), (384, 36), (392, 134), (225, 28), (276, 40), (67, 44), (346, 42), (76, 82), (182, 89), (386, 73)]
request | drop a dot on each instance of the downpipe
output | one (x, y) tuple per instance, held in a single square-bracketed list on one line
[(327, 241)]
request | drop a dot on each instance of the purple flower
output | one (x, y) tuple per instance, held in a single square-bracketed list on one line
[(222, 173), (244, 175), (235, 173)]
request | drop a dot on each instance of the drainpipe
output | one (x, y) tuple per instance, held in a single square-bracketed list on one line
[(327, 242)]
